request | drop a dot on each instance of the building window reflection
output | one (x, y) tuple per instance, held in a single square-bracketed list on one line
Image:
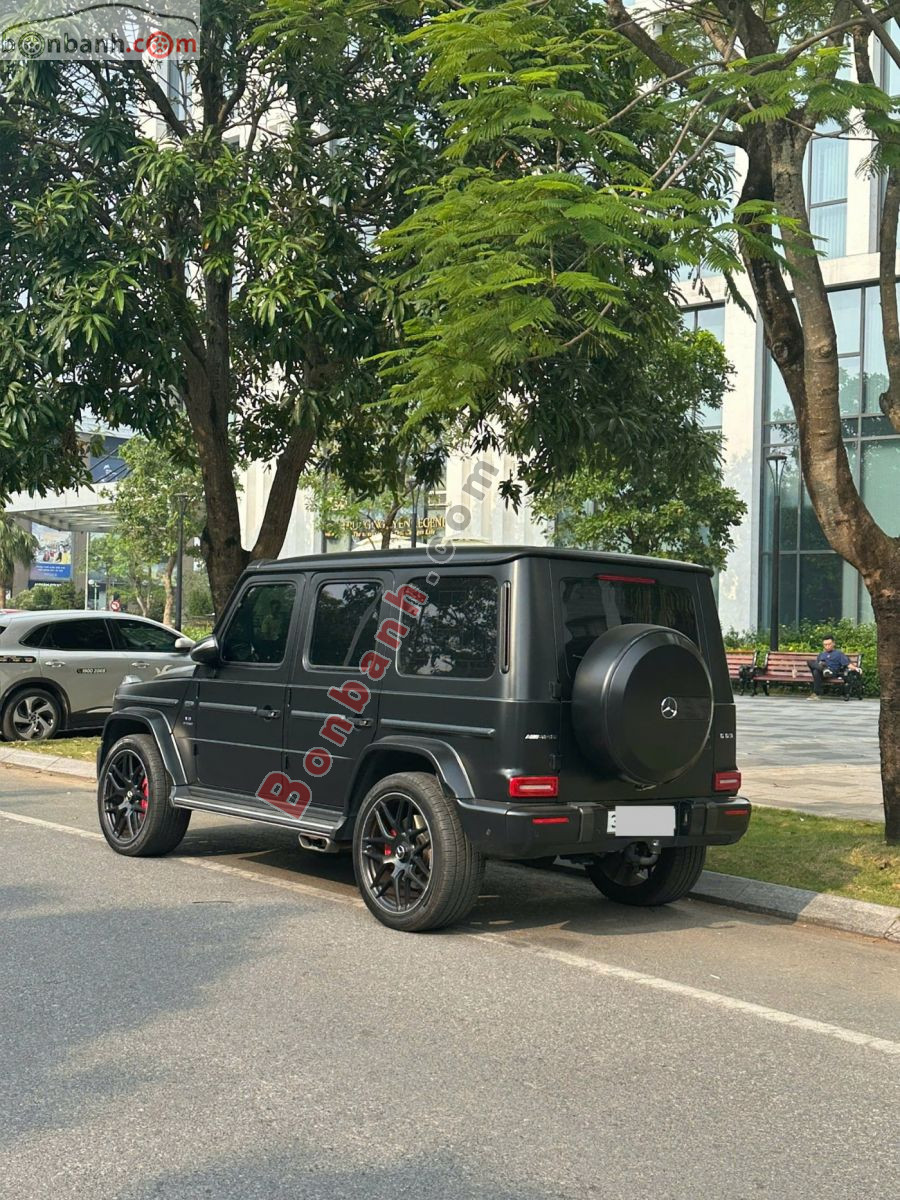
[(816, 584)]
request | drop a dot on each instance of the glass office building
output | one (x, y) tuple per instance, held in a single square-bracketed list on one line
[(757, 419)]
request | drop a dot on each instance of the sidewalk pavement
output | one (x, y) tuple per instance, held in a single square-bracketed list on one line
[(818, 757), (832, 790), (56, 763)]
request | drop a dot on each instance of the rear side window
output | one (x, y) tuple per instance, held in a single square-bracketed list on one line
[(345, 623), (84, 634), (34, 637), (259, 627), (456, 634), (593, 604), (139, 635)]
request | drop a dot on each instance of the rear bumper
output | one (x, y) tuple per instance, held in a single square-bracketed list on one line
[(505, 830)]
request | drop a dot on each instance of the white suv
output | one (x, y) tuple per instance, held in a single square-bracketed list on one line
[(60, 670)]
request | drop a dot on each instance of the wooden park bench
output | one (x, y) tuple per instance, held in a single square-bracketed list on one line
[(788, 668), (741, 668)]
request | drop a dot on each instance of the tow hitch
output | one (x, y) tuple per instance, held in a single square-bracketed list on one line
[(642, 854)]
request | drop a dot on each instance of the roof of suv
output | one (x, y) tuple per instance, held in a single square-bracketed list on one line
[(51, 615), (470, 555)]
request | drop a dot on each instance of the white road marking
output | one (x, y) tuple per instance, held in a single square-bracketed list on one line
[(776, 1015), (513, 942), (289, 885)]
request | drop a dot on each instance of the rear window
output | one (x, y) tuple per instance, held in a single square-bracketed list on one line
[(593, 604), (35, 637), (456, 634)]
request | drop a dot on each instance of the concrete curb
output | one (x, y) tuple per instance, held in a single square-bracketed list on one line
[(798, 904), (752, 895), (58, 764)]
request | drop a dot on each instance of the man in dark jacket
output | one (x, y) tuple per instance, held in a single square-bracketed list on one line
[(831, 664)]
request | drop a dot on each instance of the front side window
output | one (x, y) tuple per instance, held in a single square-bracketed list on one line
[(456, 633), (85, 634), (591, 605), (140, 635), (258, 629), (345, 624)]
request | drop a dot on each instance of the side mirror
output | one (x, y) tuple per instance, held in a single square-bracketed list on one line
[(183, 645), (206, 651)]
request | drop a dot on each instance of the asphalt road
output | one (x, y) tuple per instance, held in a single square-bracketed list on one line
[(230, 1022)]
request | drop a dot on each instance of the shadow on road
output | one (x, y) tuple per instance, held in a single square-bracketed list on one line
[(515, 896), (424, 1172)]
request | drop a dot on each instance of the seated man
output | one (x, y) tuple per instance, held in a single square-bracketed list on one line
[(831, 664)]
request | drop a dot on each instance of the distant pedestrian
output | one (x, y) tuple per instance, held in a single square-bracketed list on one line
[(830, 664)]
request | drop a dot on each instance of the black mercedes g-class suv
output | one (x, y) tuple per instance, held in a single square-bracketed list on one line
[(514, 703)]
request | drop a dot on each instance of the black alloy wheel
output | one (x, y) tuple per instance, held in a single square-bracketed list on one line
[(136, 814), (125, 791), (414, 865), (396, 849)]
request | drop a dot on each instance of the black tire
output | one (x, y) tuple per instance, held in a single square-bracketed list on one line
[(31, 715), (136, 816), (671, 877), (415, 867)]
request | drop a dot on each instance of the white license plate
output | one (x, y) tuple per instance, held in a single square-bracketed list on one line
[(642, 820)]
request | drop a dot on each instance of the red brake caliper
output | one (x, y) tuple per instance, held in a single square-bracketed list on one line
[(387, 849), (145, 794)]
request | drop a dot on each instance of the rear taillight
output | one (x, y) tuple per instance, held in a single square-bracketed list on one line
[(534, 787), (727, 781)]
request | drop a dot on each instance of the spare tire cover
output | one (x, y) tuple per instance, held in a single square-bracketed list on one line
[(642, 703)]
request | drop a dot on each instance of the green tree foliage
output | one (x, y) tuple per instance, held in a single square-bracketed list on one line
[(537, 274), (126, 573), (17, 545), (48, 595), (146, 508), (206, 251), (676, 505)]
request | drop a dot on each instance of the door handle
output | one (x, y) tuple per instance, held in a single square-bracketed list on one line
[(361, 722), (268, 714), (140, 664), (54, 664)]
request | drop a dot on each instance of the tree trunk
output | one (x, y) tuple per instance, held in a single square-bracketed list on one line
[(886, 602), (387, 529), (2, 595), (168, 589)]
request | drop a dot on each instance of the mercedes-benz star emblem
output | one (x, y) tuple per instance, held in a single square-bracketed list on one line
[(669, 708)]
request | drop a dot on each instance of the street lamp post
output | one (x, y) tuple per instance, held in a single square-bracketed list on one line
[(413, 484), (182, 499), (326, 475), (777, 463)]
